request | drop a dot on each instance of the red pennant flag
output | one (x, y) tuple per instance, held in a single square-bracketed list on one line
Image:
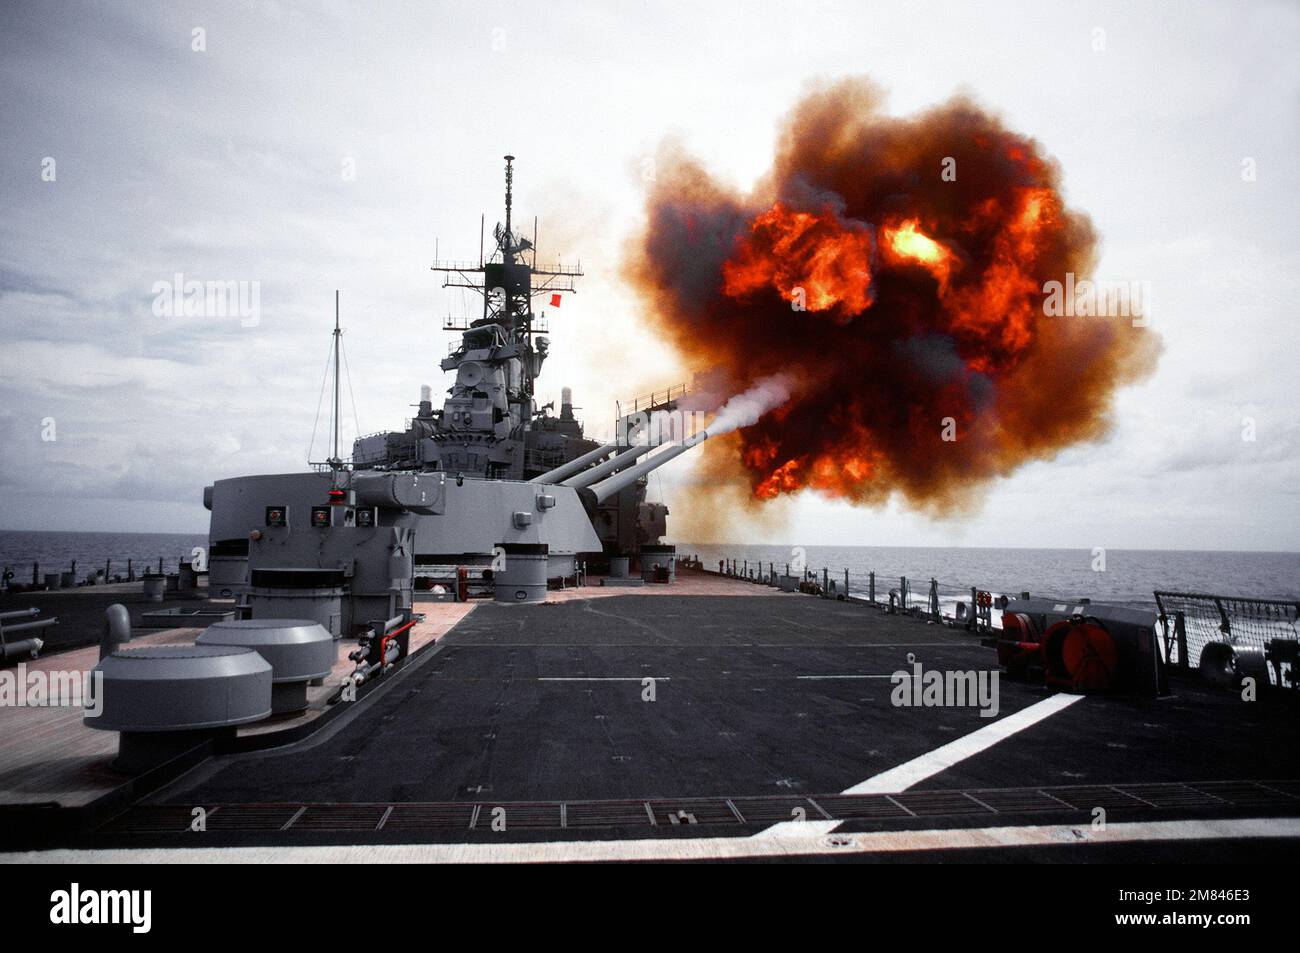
[(555, 301)]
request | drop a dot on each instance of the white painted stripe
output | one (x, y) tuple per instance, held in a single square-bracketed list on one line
[(788, 829), (903, 776), (815, 841)]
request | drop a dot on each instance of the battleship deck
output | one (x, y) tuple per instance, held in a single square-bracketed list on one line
[(49, 755), (770, 727)]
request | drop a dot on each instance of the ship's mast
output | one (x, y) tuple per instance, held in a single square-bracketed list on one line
[(508, 280), (335, 461), (508, 251)]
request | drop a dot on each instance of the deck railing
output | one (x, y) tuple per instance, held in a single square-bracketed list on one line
[(28, 574), (652, 401), (971, 607), (1191, 620), (1188, 621)]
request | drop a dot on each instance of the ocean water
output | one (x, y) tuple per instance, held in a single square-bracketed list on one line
[(1127, 577), (56, 551)]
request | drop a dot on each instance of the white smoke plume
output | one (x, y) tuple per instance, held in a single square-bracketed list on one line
[(745, 409)]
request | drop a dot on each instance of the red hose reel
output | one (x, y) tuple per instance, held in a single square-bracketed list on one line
[(1020, 647), (1077, 653), (1080, 654), (1082, 646)]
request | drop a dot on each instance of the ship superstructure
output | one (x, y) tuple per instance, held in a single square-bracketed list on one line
[(485, 477), (489, 426)]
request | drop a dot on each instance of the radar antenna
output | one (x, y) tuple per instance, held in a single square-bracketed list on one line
[(508, 281)]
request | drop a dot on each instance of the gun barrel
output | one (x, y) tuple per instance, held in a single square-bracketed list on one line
[(625, 478), (34, 625), (565, 470), (617, 462)]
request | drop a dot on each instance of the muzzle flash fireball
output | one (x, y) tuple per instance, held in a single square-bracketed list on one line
[(893, 270)]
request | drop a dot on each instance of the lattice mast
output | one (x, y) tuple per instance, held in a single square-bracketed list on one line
[(508, 280)]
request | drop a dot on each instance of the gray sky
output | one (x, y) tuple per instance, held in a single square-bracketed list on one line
[(228, 164)]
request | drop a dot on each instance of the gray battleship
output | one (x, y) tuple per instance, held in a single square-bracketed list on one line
[(347, 698), (489, 469)]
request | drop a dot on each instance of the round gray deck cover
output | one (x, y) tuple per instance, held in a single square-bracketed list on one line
[(298, 650), (180, 688)]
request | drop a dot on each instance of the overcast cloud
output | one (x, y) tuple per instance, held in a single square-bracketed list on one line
[(229, 164)]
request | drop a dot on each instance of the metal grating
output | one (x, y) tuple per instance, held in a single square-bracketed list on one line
[(340, 817), (519, 816), (1018, 800), (607, 814), (1086, 797), (854, 806), (1173, 795), (430, 817), (941, 803), (751, 811), (1246, 793), (772, 810), (251, 817)]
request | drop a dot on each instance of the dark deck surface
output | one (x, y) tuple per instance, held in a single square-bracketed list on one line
[(540, 709)]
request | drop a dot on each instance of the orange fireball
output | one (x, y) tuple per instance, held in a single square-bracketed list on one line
[(938, 370), (905, 243), (810, 259)]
